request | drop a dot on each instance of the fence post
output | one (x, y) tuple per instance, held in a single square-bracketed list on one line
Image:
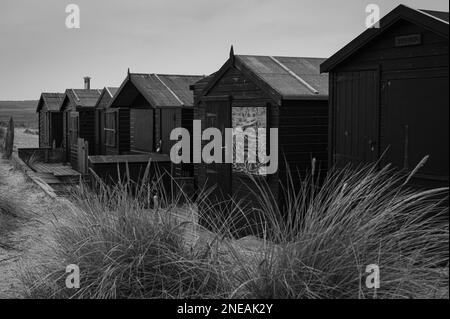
[(85, 159), (9, 140)]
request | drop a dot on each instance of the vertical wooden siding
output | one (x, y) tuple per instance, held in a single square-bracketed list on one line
[(355, 114), (124, 130)]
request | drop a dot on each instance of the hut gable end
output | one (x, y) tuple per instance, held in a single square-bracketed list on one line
[(433, 22), (237, 84), (279, 78), (386, 52)]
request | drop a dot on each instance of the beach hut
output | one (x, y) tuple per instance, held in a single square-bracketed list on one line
[(106, 137), (389, 95), (284, 93), (78, 107), (152, 106), (50, 120)]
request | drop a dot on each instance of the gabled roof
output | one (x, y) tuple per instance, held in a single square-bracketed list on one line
[(80, 98), (52, 101), (106, 96), (292, 77), (159, 90), (199, 86), (283, 78), (435, 21), (111, 90)]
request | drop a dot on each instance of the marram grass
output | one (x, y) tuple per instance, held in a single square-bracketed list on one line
[(317, 246)]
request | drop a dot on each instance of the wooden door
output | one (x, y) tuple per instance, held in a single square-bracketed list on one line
[(355, 117), (82, 155), (66, 135), (142, 126), (218, 115), (97, 132), (73, 122), (416, 122), (102, 132), (168, 123)]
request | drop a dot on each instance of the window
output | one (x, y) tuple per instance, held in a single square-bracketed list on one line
[(249, 138), (110, 129)]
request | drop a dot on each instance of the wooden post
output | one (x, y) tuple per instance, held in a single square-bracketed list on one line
[(9, 140), (82, 155)]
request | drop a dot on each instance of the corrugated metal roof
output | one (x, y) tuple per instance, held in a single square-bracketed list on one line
[(164, 90), (290, 76), (82, 97), (51, 100)]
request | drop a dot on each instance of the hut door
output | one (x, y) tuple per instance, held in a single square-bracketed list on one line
[(47, 130), (356, 121), (217, 114), (168, 123)]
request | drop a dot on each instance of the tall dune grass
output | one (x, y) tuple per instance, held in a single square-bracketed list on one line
[(328, 235), (12, 214), (128, 245)]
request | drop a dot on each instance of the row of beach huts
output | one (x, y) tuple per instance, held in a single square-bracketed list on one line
[(383, 97)]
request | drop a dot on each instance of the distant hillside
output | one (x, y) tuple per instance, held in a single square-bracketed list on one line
[(23, 112)]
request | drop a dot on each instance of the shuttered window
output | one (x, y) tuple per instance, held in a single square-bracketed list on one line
[(110, 129)]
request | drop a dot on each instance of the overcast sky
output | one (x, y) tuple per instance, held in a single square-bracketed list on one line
[(38, 53)]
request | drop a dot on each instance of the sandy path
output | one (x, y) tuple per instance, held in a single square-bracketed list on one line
[(30, 241)]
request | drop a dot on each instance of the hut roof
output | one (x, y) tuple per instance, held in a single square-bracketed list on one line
[(437, 14), (106, 96), (80, 98), (292, 77), (51, 100), (160, 90), (111, 90), (284, 78)]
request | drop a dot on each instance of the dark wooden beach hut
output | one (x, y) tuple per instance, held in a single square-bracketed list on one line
[(78, 107), (50, 120), (106, 136), (157, 104), (287, 93), (148, 108), (389, 95)]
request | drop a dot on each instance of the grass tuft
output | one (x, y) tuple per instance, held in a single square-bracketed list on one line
[(133, 241)]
